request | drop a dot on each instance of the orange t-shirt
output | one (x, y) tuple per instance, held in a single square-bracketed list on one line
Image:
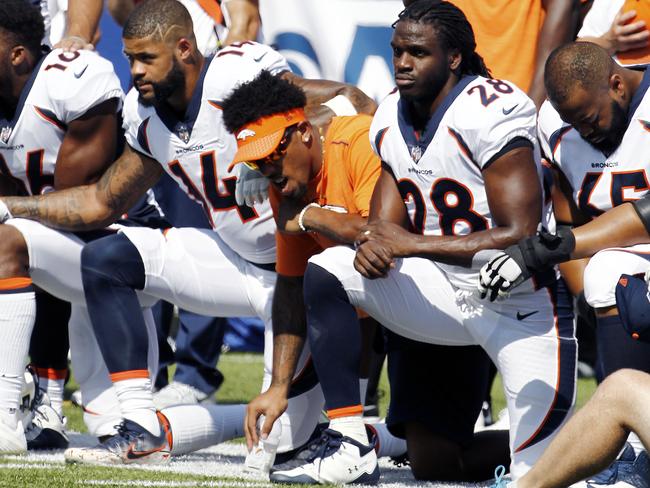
[(506, 36), (346, 180)]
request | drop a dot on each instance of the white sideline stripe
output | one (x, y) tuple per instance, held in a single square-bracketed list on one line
[(30, 466)]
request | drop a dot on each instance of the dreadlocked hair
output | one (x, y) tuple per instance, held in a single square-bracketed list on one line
[(453, 29), (266, 95)]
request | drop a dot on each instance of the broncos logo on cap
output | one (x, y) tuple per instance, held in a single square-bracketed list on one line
[(245, 133)]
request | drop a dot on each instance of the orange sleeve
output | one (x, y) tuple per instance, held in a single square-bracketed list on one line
[(292, 250), (365, 167)]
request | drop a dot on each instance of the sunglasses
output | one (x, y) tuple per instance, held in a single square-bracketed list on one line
[(277, 154)]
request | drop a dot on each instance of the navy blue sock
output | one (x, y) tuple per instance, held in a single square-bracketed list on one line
[(617, 349), (334, 337), (112, 270)]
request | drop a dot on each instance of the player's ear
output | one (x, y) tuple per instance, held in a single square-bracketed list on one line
[(454, 58), (18, 55), (184, 48), (304, 128), (617, 86)]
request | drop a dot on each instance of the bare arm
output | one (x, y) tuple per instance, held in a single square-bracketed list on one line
[(92, 206), (319, 91), (289, 331), (83, 19), (622, 35), (558, 28), (339, 227), (88, 147), (120, 10), (245, 20)]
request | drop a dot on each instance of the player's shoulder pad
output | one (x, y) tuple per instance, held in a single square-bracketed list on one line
[(385, 116), (239, 63), (549, 122), (76, 82), (487, 102)]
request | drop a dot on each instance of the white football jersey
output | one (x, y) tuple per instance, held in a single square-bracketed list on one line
[(600, 182), (440, 175), (196, 151), (62, 88)]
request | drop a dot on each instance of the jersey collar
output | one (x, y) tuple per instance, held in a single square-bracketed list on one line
[(183, 128), (418, 146), (638, 95)]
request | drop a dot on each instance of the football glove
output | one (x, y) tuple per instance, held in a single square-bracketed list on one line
[(252, 187), (520, 261)]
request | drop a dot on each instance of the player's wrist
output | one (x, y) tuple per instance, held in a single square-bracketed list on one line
[(303, 221)]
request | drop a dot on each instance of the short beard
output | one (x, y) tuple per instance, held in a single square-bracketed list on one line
[(162, 90), (616, 131)]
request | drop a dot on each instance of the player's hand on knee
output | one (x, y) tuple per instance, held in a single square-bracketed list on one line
[(499, 276), (272, 403), (252, 187), (373, 260)]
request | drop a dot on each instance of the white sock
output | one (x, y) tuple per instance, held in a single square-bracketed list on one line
[(636, 443), (17, 313), (136, 401), (363, 389), (351, 426), (195, 427), (386, 444), (53, 387)]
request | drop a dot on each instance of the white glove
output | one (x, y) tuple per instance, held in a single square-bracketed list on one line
[(500, 275), (252, 187), (5, 214)]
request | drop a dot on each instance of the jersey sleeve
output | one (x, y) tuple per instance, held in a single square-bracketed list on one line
[(365, 167), (84, 82), (495, 117), (550, 128), (135, 124)]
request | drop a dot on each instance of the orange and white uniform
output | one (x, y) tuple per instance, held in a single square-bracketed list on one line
[(440, 177)]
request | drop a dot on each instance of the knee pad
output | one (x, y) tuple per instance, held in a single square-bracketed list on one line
[(114, 259)]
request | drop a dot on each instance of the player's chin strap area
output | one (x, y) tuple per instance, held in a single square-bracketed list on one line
[(5, 214)]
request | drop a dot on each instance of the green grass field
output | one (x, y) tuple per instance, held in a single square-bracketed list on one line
[(243, 373)]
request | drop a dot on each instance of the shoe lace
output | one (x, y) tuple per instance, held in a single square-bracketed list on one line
[(499, 477), (328, 442), (401, 460)]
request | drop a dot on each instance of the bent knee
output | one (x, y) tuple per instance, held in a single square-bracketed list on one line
[(14, 256), (113, 259)]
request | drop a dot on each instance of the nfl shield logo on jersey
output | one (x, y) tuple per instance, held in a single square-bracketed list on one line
[(183, 132), (416, 153), (5, 134)]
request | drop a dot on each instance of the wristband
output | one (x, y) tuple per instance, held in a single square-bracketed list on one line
[(301, 217)]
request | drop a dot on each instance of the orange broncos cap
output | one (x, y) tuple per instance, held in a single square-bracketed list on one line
[(260, 138)]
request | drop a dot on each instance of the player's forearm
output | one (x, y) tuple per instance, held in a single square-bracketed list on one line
[(618, 227), (289, 330), (459, 250), (245, 20), (74, 209), (340, 227), (83, 18)]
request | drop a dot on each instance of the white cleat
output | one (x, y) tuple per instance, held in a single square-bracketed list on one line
[(332, 459), (46, 428), (177, 393)]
